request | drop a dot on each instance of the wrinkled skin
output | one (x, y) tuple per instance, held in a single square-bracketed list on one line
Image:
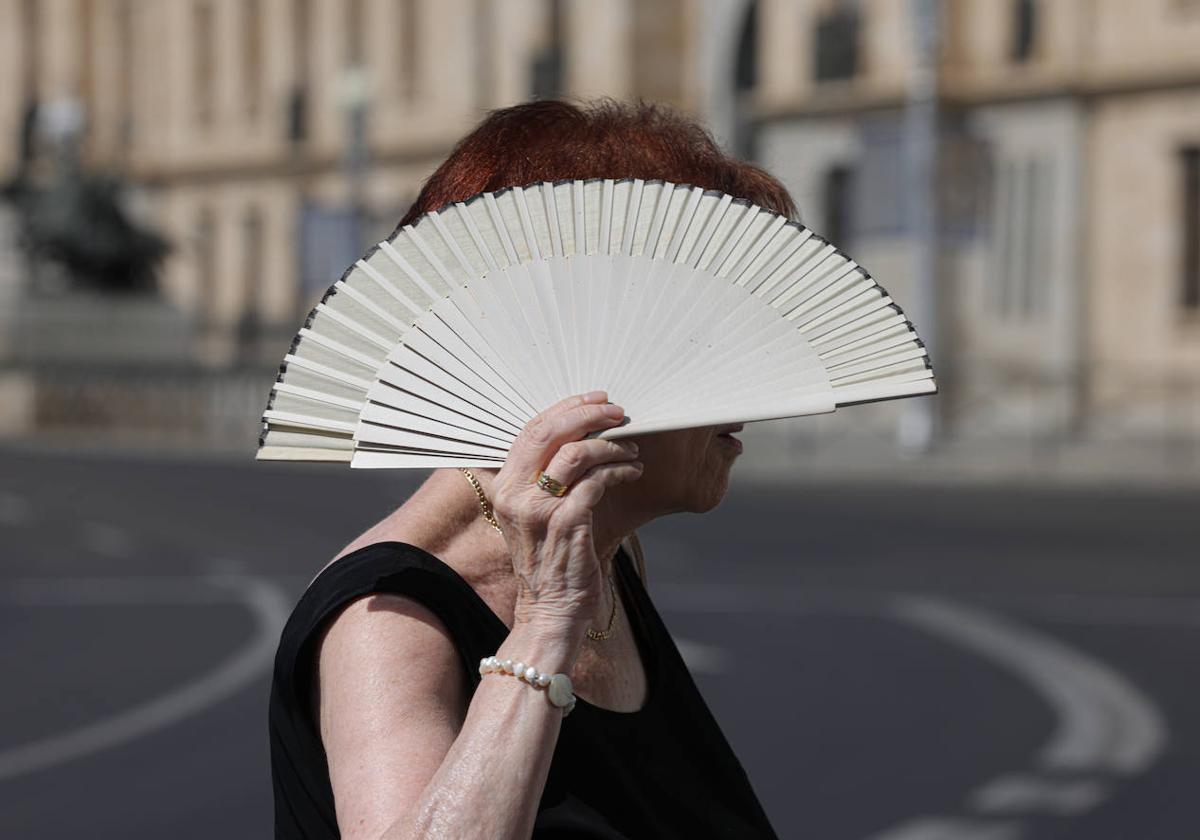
[(687, 470)]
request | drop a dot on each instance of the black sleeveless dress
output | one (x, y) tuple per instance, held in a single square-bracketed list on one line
[(665, 770)]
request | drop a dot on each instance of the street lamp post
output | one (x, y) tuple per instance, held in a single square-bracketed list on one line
[(356, 97), (919, 426)]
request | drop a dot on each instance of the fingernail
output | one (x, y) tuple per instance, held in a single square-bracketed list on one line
[(595, 396), (633, 447), (613, 410)]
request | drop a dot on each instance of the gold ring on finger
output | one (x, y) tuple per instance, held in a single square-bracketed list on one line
[(550, 485)]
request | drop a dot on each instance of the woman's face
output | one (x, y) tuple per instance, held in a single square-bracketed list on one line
[(686, 470)]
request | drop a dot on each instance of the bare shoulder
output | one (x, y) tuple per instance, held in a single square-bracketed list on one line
[(377, 639), (391, 696)]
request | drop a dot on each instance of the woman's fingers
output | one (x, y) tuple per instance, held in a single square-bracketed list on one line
[(588, 490), (572, 460), (566, 421), (550, 538)]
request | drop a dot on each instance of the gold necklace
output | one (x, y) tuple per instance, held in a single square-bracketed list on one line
[(597, 635)]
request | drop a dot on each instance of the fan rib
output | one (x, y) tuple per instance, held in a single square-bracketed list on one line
[(407, 268), (493, 209), (405, 380), (749, 215), (389, 287), (604, 238), (723, 220), (705, 238), (423, 247), (372, 307), (683, 224), (302, 420), (464, 215), (634, 210), (771, 240), (689, 306), (292, 360), (341, 349), (355, 327), (422, 344), (317, 396), (451, 244), (552, 220), (531, 240), (449, 314)]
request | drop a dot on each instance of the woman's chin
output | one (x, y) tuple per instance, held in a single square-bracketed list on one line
[(713, 492)]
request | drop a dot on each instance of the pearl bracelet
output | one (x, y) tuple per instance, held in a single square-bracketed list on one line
[(558, 686)]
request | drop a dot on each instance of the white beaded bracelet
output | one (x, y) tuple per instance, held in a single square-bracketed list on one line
[(558, 686)]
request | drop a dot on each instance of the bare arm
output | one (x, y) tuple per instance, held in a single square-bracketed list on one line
[(408, 756)]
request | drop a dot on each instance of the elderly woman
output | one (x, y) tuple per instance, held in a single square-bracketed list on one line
[(486, 661)]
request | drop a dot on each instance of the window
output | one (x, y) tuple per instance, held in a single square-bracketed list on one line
[(126, 34), (297, 106), (485, 55), (252, 76), (546, 70), (1024, 29), (1020, 242), (206, 264), (880, 169), (835, 50), (746, 66), (838, 202), (31, 30), (249, 321), (30, 34), (85, 23), (410, 25), (354, 33), (658, 43), (203, 60), (1189, 160)]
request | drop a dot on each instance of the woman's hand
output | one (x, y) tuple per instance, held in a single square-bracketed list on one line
[(550, 537)]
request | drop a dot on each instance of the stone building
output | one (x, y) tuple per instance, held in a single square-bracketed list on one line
[(1070, 158), (238, 119), (1070, 194)]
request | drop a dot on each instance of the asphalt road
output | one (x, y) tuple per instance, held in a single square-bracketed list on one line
[(890, 662)]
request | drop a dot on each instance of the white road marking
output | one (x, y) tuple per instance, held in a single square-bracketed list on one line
[(270, 608), (1105, 723), (943, 828), (701, 658), (790, 599), (1022, 794), (14, 510)]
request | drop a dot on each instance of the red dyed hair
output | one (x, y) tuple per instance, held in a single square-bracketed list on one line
[(554, 140)]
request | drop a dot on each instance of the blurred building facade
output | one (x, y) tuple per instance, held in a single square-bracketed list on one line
[(1069, 283), (272, 139), (252, 125)]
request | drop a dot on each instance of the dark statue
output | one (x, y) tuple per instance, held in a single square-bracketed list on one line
[(79, 220)]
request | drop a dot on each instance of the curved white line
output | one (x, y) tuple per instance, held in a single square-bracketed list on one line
[(949, 828), (270, 609), (1105, 723), (701, 658)]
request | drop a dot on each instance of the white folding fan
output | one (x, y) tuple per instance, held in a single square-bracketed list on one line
[(688, 306)]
